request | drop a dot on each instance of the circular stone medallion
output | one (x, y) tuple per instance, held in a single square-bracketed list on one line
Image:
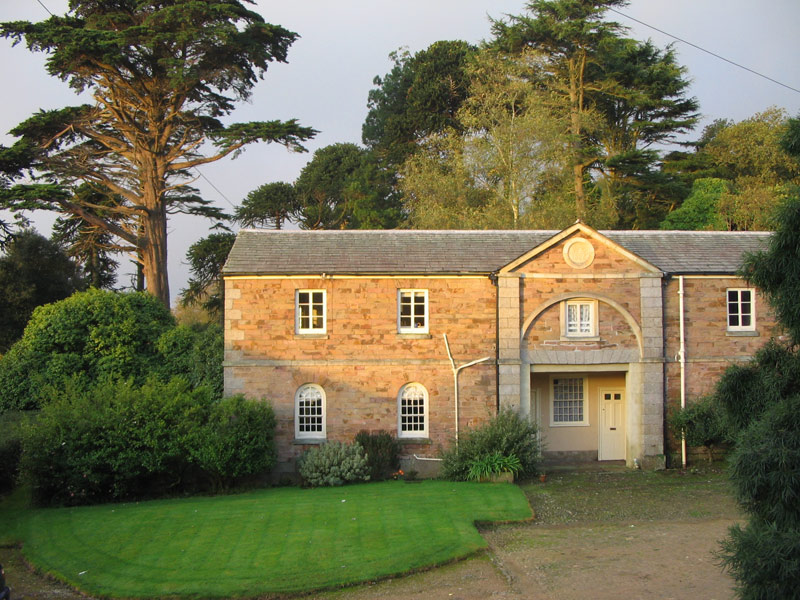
[(578, 253)]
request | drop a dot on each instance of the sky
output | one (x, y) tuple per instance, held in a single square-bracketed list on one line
[(344, 44)]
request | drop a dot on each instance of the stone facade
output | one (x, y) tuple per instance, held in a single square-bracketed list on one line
[(361, 361), (512, 318)]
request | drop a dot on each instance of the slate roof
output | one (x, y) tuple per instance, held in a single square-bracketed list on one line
[(270, 252)]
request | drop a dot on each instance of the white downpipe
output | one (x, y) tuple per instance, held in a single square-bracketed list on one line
[(682, 359), (456, 370)]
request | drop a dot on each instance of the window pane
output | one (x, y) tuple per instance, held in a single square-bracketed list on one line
[(413, 309), (740, 309), (311, 310), (568, 400), (572, 318), (412, 409), (309, 410), (586, 318)]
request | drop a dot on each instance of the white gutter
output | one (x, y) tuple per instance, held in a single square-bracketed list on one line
[(455, 375), (682, 359)]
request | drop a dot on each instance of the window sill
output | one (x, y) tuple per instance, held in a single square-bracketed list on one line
[(580, 338), (741, 333), (575, 424), (311, 336), (309, 441), (410, 440), (413, 336)]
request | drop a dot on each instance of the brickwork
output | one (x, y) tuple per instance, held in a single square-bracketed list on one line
[(361, 361), (614, 332)]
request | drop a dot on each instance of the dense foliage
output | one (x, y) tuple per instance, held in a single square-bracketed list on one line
[(11, 424), (95, 334), (507, 433), (332, 464), (383, 453), (118, 440), (762, 399), (194, 353), (33, 271), (702, 423), (235, 441)]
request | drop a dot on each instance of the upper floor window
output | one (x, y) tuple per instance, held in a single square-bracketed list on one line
[(412, 411), (412, 311), (580, 318), (741, 309), (569, 401), (309, 412), (310, 311)]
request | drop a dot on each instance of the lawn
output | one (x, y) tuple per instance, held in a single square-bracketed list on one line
[(572, 498), (268, 541)]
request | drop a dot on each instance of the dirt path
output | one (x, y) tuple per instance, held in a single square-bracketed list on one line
[(640, 560)]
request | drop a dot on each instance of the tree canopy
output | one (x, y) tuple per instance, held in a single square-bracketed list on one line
[(162, 74), (33, 271), (418, 97), (206, 258), (269, 205), (624, 97), (343, 187)]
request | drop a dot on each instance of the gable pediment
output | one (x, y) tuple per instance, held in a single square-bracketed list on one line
[(579, 249)]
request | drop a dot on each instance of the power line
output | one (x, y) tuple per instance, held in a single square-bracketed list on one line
[(44, 7), (208, 181), (735, 64)]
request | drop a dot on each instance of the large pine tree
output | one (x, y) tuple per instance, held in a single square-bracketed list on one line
[(162, 74)]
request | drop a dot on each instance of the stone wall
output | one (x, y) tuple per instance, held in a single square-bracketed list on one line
[(361, 361)]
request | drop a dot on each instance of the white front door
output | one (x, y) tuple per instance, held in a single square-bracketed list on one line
[(612, 425)]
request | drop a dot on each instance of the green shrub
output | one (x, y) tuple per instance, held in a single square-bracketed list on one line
[(237, 441), (383, 453), (334, 463), (118, 440), (492, 464), (702, 422), (194, 353), (11, 424), (763, 556), (98, 334), (112, 441), (506, 433)]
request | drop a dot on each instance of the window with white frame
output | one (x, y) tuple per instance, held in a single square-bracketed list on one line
[(412, 411), (309, 412), (310, 311), (741, 309), (569, 401), (580, 318), (412, 311)]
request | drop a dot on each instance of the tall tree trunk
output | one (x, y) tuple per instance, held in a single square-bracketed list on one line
[(154, 254), (576, 131)]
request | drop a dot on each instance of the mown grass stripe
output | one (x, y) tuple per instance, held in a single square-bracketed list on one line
[(269, 541)]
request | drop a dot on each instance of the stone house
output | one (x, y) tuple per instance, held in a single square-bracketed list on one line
[(426, 333)]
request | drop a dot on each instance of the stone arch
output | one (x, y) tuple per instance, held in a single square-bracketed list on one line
[(635, 327)]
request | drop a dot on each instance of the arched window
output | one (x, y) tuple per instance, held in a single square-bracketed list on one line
[(412, 411), (309, 412)]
